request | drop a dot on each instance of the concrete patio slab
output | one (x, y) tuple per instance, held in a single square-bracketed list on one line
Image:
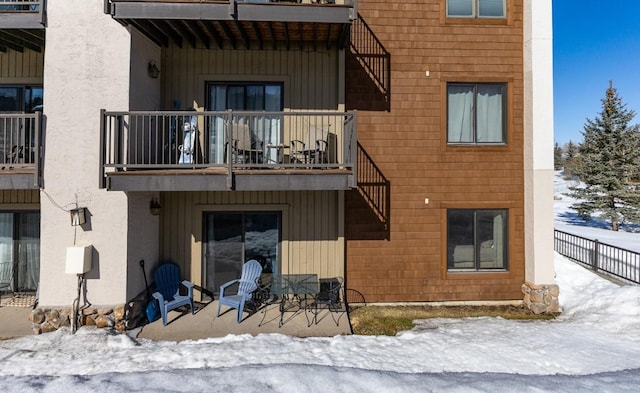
[(205, 324), (14, 322)]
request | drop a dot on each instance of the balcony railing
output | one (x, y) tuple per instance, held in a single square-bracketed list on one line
[(22, 24), (234, 24), (228, 140), (317, 2), (20, 143), (20, 5)]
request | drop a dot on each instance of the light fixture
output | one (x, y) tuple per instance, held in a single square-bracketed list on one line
[(78, 216), (153, 70), (154, 207)]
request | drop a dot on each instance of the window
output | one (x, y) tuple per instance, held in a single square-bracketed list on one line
[(476, 8), (476, 113), (477, 239), (21, 99)]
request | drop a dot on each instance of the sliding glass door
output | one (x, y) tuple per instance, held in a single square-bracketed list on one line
[(19, 251), (231, 238), (245, 97)]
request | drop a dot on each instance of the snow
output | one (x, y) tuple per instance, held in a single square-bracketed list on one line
[(593, 346), (567, 220)]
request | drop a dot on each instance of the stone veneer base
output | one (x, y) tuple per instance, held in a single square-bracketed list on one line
[(541, 299), (48, 320)]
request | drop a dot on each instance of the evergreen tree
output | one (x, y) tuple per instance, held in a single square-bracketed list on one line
[(558, 157), (571, 159), (609, 157)]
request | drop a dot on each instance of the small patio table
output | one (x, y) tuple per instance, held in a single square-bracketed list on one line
[(279, 148), (294, 288)]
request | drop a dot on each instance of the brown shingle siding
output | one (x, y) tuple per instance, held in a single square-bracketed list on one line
[(407, 141)]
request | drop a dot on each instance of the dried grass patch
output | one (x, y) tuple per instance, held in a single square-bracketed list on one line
[(389, 320)]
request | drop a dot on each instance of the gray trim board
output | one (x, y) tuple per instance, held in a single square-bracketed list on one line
[(246, 12), (25, 20), (218, 182), (17, 181)]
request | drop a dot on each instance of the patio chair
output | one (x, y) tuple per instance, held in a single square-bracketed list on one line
[(167, 279), (5, 276), (328, 297), (313, 147), (243, 150), (247, 284)]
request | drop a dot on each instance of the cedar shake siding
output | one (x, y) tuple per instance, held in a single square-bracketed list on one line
[(403, 131)]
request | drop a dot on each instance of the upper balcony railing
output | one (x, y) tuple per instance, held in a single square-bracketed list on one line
[(19, 15), (234, 24), (229, 140), (20, 145), (317, 2), (20, 5)]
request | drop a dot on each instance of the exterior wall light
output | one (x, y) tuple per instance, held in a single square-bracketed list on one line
[(153, 70), (154, 207), (78, 216)]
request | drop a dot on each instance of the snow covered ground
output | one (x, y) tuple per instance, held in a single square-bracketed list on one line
[(594, 346), (568, 220)]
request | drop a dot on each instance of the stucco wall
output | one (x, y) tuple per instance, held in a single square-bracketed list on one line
[(86, 68), (142, 231)]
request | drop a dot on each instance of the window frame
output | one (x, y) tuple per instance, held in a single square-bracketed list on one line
[(504, 118), (25, 95), (243, 85), (475, 9), (477, 243)]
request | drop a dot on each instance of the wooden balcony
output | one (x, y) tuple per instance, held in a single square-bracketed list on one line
[(22, 24), (229, 150), (20, 151), (262, 24)]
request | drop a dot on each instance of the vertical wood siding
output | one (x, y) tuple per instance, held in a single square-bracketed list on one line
[(312, 239), (310, 77), (19, 197), (408, 144), (21, 67)]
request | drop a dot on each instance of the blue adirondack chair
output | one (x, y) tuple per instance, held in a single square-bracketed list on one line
[(247, 284), (167, 279)]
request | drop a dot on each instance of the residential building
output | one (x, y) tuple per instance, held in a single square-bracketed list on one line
[(406, 146)]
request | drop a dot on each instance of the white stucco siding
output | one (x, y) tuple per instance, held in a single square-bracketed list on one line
[(87, 63), (142, 229), (538, 154)]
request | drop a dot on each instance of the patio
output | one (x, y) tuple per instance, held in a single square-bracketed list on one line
[(205, 324), (14, 322)]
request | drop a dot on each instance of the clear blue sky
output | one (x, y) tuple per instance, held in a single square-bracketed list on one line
[(594, 42)]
